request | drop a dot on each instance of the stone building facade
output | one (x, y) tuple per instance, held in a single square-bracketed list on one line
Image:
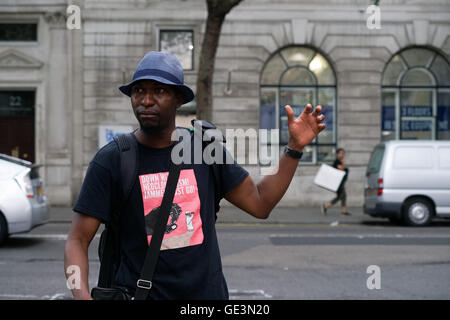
[(74, 75)]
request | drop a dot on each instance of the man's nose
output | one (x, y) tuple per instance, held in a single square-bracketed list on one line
[(148, 99)]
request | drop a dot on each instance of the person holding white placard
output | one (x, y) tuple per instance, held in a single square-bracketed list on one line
[(341, 194)]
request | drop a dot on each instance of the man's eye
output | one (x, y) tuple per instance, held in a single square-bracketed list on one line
[(160, 90)]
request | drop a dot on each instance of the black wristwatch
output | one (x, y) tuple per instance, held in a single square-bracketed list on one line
[(293, 153)]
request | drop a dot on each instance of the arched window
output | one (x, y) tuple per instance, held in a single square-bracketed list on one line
[(416, 96), (297, 76)]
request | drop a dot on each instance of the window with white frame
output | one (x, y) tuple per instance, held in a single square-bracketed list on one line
[(296, 76), (416, 96), (180, 43)]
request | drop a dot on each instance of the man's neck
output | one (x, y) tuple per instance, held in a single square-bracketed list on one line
[(155, 139)]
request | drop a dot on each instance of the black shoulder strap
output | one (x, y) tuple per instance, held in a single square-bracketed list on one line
[(144, 284), (128, 162), (109, 247), (216, 168)]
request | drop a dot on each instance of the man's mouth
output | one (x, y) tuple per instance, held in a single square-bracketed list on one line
[(148, 115)]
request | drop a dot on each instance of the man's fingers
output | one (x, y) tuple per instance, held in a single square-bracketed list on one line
[(307, 109), (290, 113), (321, 126), (317, 110), (320, 118)]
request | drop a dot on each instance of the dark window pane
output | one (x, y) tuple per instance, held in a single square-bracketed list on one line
[(326, 100), (416, 129), (443, 116), (308, 154), (417, 77), (393, 71), (418, 57), (284, 133), (297, 56), (273, 70), (296, 98), (326, 154), (268, 108), (322, 69), (18, 32), (179, 43), (441, 70), (416, 103), (298, 76), (388, 116)]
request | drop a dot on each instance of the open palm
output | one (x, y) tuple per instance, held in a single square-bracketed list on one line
[(305, 127)]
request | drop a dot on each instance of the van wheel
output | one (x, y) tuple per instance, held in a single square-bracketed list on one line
[(417, 212), (3, 229)]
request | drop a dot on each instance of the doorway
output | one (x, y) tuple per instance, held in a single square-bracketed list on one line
[(17, 123)]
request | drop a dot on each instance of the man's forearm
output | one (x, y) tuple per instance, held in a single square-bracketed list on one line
[(273, 187), (76, 254)]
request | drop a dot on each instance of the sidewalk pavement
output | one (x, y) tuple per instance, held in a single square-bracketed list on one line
[(279, 215)]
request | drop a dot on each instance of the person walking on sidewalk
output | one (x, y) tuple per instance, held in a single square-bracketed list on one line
[(341, 194), (189, 265)]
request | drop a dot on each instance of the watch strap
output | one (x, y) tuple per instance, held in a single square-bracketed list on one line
[(293, 153)]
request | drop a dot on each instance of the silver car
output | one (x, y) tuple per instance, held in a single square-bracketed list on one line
[(23, 204), (409, 181)]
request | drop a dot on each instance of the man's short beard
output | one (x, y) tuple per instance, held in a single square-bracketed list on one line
[(149, 129)]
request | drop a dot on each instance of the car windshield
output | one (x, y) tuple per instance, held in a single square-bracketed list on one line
[(375, 160)]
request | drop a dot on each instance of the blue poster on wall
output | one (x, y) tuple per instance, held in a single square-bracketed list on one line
[(388, 118)]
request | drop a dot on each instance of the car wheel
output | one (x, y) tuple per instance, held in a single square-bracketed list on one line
[(3, 229), (417, 212)]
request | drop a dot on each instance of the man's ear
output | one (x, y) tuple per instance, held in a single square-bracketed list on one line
[(179, 98)]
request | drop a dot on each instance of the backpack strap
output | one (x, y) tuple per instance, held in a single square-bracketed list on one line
[(109, 247), (128, 162), (216, 168)]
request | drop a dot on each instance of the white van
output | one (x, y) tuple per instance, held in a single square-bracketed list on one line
[(409, 181)]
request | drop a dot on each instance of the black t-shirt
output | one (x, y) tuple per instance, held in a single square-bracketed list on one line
[(189, 264), (337, 163)]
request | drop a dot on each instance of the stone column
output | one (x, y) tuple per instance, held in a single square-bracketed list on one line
[(58, 117)]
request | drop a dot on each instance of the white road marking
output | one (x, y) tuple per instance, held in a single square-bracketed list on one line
[(359, 236), (58, 237), (19, 296), (56, 296), (256, 293)]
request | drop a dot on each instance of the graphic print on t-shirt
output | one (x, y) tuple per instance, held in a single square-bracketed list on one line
[(184, 226)]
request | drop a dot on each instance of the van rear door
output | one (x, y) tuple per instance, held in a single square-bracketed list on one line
[(372, 176)]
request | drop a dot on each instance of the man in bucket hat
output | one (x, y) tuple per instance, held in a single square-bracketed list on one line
[(189, 264)]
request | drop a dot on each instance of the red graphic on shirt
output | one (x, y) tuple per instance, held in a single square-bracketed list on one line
[(184, 226)]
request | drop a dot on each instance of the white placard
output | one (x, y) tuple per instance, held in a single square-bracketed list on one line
[(329, 177), (106, 133)]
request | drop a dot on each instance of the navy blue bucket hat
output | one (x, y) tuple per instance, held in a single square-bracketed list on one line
[(163, 67)]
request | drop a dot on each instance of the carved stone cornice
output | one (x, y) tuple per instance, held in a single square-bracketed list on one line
[(55, 19)]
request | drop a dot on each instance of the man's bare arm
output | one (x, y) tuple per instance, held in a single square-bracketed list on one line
[(259, 199), (82, 231)]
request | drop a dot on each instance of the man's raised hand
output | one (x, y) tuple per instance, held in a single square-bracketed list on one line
[(305, 127)]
